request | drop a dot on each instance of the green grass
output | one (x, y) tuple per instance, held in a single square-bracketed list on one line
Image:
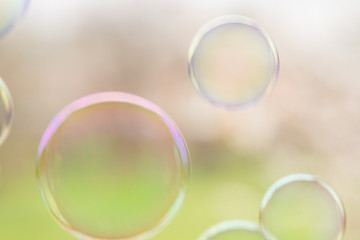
[(229, 188), (215, 193)]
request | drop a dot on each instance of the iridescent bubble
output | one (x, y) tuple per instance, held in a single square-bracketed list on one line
[(233, 230), (6, 111), (10, 12), (302, 207), (112, 166), (233, 62)]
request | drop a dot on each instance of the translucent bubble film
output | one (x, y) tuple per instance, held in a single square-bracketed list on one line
[(10, 12), (6, 111), (233, 62), (259, 90), (233, 230), (112, 166), (302, 207)]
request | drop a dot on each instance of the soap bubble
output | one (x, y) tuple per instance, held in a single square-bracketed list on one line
[(10, 12), (6, 111), (112, 166), (233, 62), (233, 230), (302, 207)]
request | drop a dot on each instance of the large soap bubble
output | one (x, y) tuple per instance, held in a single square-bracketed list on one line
[(233, 62), (302, 207), (112, 166)]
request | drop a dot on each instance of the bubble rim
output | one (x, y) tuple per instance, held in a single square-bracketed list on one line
[(301, 177), (117, 97), (238, 20), (17, 17), (6, 90), (228, 225)]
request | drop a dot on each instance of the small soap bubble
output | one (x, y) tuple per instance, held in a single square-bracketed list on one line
[(113, 166), (10, 12), (233, 230), (302, 207), (233, 62), (6, 111)]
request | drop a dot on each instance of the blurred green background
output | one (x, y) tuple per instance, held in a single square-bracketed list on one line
[(63, 50)]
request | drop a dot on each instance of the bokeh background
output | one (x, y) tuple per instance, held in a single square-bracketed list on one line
[(63, 50)]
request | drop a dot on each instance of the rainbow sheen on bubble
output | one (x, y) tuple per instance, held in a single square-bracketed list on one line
[(6, 111), (302, 207), (233, 62), (233, 230), (10, 12), (113, 166)]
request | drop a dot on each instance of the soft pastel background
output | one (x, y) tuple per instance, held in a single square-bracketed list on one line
[(63, 50)]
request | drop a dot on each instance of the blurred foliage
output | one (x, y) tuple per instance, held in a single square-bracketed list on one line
[(217, 191)]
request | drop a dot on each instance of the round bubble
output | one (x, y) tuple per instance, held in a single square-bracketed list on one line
[(302, 207), (233, 230), (113, 166), (10, 12), (233, 62), (6, 111)]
